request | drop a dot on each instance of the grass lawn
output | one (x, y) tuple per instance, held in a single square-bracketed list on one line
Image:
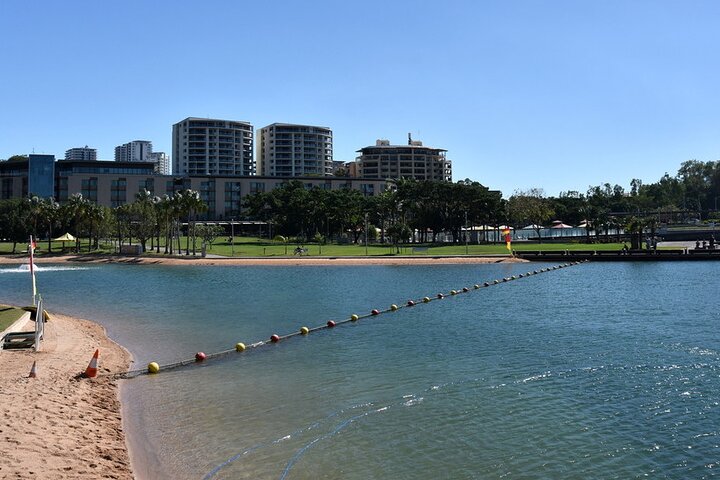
[(256, 247), (8, 315)]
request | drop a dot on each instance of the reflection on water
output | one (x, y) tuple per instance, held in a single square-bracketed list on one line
[(595, 371)]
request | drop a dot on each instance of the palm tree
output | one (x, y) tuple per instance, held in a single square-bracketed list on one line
[(178, 206), (144, 222), (76, 212), (193, 205), (34, 211), (50, 211)]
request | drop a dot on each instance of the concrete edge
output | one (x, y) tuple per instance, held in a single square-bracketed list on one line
[(16, 326)]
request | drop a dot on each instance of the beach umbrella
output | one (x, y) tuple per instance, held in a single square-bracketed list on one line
[(561, 225), (64, 238)]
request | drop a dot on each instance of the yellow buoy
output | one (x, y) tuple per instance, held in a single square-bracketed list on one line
[(153, 367), (426, 299), (393, 307), (354, 317), (453, 292), (240, 347), (304, 330)]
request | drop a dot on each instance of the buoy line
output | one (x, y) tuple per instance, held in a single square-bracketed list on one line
[(240, 347)]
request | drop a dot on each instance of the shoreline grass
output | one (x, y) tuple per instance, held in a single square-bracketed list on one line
[(8, 316), (258, 247)]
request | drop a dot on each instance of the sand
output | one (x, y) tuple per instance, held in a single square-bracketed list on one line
[(57, 426), (264, 261)]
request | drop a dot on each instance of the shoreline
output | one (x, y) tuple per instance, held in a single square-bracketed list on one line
[(58, 425), (259, 261)]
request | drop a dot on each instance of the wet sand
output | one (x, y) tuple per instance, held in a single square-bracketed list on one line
[(58, 426)]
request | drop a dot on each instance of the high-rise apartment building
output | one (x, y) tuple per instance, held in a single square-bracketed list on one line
[(288, 150), (161, 161), (413, 161), (81, 153), (135, 151), (204, 146)]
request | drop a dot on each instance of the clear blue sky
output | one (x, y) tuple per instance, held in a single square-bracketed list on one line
[(555, 94)]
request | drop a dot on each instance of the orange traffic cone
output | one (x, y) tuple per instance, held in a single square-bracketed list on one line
[(33, 371), (91, 370)]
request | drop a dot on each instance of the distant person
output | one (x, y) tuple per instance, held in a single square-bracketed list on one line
[(625, 249), (712, 242), (697, 244), (704, 245)]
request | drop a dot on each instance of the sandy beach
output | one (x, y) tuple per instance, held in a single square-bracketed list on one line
[(57, 426), (264, 261)]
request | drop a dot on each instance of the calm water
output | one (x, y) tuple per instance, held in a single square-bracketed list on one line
[(593, 371)]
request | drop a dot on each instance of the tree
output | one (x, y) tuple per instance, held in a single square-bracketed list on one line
[(75, 212), (208, 233), (531, 207), (13, 224), (144, 221), (399, 232)]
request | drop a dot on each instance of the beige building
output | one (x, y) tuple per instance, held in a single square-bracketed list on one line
[(412, 161), (288, 150), (204, 146), (116, 183)]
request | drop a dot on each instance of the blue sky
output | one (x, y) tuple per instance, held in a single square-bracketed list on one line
[(558, 95)]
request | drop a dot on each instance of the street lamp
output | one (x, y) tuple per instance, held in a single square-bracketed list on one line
[(232, 237)]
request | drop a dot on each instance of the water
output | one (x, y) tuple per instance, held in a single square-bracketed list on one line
[(594, 371)]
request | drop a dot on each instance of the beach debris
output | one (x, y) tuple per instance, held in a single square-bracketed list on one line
[(92, 368)]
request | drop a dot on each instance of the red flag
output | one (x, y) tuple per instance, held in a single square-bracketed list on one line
[(508, 238)]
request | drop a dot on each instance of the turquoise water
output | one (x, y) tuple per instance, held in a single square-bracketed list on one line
[(593, 371)]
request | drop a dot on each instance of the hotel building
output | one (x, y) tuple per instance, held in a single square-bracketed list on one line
[(204, 146), (288, 150), (81, 153), (412, 161), (135, 151)]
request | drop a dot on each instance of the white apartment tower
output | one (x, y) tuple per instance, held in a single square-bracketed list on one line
[(135, 151), (288, 150), (81, 153), (161, 161), (204, 146)]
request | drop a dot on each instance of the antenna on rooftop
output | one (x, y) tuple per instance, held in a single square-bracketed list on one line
[(409, 138)]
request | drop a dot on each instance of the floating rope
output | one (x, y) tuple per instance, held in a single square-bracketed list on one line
[(275, 338)]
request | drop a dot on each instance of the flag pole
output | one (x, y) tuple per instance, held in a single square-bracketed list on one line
[(32, 268)]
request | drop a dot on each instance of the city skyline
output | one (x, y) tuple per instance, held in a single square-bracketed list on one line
[(522, 94)]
